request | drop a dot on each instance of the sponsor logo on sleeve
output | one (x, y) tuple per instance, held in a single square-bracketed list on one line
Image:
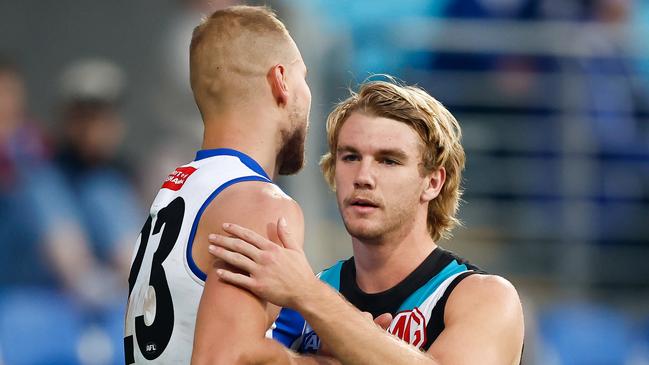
[(176, 179), (410, 326)]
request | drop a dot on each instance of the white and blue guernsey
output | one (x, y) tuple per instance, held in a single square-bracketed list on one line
[(165, 284)]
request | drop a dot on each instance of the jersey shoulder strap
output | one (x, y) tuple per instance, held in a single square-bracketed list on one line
[(331, 275)]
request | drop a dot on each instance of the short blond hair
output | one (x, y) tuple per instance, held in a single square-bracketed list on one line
[(232, 49), (437, 128)]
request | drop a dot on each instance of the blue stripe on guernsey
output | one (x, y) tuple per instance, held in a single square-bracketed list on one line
[(331, 276), (190, 260), (418, 297), (288, 327), (247, 160)]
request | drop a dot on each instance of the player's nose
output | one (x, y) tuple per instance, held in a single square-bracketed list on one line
[(364, 177)]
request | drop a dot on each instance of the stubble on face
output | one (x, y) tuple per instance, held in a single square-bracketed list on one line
[(396, 214), (291, 156)]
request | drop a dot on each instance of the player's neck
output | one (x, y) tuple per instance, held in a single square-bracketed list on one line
[(249, 133), (382, 265)]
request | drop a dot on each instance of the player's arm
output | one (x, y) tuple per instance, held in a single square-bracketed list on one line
[(271, 352), (483, 323), (483, 316), (232, 320)]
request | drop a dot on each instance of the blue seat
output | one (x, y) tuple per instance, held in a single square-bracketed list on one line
[(641, 342), (112, 323), (586, 334), (38, 327)]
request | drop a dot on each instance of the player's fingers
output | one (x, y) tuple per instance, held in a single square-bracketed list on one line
[(383, 320), (285, 236), (233, 258), (236, 245), (240, 280), (247, 235), (368, 315)]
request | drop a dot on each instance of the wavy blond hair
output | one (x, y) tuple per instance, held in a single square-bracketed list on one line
[(438, 129)]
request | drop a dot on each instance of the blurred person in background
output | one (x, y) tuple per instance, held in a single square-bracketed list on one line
[(50, 275), (34, 197), (101, 198), (395, 163), (24, 158)]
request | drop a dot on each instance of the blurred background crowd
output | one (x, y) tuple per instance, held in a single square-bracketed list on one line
[(552, 96)]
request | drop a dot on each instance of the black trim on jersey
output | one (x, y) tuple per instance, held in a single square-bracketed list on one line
[(390, 300), (435, 325), (129, 355)]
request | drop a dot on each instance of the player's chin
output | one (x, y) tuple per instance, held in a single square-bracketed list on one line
[(362, 229)]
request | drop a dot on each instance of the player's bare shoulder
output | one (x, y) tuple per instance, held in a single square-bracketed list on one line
[(254, 204), (492, 302), (488, 293), (261, 199)]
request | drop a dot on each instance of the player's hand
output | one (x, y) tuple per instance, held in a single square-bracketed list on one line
[(280, 275), (382, 321)]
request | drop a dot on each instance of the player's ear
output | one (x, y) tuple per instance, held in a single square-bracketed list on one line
[(277, 79), (434, 182)]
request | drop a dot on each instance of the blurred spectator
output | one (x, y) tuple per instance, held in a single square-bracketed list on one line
[(20, 141), (23, 156), (101, 199), (67, 223), (33, 196)]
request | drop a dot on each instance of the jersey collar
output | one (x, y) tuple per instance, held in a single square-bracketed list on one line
[(247, 160)]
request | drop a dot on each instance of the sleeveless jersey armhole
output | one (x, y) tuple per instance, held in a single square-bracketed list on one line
[(194, 271), (436, 323)]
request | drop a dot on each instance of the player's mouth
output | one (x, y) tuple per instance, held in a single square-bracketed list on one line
[(363, 205)]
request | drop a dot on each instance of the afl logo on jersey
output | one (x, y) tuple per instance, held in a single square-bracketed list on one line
[(176, 179), (410, 326), (151, 348)]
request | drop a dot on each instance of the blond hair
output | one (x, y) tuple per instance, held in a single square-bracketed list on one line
[(438, 129), (232, 50)]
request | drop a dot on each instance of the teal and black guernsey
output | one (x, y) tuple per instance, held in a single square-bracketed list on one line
[(417, 303)]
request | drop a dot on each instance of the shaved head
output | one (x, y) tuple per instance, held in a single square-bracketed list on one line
[(231, 53)]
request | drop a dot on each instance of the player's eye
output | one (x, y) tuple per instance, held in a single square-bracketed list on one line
[(389, 162), (349, 157)]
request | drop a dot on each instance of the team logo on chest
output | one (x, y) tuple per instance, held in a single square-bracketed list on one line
[(410, 326)]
